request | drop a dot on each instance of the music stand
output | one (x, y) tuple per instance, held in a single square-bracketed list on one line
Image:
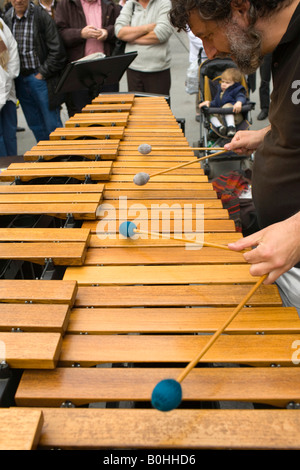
[(93, 74)]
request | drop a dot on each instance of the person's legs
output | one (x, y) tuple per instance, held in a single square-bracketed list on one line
[(8, 130), (33, 96), (135, 81), (157, 82)]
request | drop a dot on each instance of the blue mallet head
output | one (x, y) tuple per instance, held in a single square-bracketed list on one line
[(144, 149), (141, 178), (127, 229), (166, 395)]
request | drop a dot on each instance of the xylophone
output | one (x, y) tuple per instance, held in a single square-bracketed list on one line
[(91, 320)]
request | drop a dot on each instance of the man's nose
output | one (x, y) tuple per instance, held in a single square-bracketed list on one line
[(210, 49)]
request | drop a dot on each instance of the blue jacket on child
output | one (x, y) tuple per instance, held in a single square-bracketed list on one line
[(234, 93)]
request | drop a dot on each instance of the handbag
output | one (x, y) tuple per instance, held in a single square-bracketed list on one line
[(119, 48), (120, 45)]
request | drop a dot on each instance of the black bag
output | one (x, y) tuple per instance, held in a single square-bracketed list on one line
[(120, 45), (119, 48)]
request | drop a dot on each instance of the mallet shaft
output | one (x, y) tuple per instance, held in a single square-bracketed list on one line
[(170, 237), (188, 163), (215, 336)]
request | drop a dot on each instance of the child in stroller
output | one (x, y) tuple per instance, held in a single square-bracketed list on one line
[(214, 127), (230, 94)]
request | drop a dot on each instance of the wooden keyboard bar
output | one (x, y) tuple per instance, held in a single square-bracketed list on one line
[(80, 235), (61, 254), (97, 119), (181, 429), (174, 296), (31, 350), (96, 154), (159, 255), (161, 275), (52, 188), (87, 133), (114, 98), (99, 171), (80, 211), (257, 320), (107, 108), (28, 317), (251, 350), (59, 201), (20, 429), (37, 291), (269, 385)]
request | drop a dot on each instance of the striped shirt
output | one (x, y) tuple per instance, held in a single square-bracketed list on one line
[(23, 33)]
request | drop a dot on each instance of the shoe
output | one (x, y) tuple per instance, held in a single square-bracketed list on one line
[(231, 131), (222, 130), (262, 115)]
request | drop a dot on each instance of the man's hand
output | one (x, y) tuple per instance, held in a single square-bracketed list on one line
[(89, 32), (276, 249), (245, 142)]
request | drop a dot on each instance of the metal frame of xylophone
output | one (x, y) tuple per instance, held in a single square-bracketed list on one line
[(142, 308)]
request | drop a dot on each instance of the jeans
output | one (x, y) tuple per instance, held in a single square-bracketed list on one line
[(33, 96), (8, 130)]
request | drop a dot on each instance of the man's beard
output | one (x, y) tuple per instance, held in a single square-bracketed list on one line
[(245, 47)]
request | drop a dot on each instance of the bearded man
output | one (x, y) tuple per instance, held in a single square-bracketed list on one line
[(247, 30)]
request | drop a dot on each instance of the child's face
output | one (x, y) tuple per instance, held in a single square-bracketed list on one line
[(226, 84)]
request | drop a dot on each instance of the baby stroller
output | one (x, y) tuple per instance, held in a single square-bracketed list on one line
[(209, 76)]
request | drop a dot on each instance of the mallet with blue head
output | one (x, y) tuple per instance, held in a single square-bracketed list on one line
[(167, 394)]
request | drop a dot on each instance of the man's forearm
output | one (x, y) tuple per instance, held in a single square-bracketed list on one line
[(132, 33), (147, 39)]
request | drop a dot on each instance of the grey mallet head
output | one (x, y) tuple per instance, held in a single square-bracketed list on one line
[(141, 178), (144, 149)]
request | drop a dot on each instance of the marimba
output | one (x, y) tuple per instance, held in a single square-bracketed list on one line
[(86, 341)]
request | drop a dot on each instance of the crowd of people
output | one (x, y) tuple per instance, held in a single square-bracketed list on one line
[(40, 37), (37, 40)]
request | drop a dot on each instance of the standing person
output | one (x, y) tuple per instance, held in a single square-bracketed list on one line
[(86, 27), (248, 30), (42, 57), (146, 28), (48, 5), (9, 70)]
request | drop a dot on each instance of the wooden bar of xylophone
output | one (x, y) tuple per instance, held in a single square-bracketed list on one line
[(92, 344)]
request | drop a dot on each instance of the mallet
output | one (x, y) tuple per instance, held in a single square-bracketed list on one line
[(129, 229), (167, 394), (145, 149), (140, 179)]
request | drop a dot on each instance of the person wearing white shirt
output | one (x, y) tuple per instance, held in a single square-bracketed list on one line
[(9, 70)]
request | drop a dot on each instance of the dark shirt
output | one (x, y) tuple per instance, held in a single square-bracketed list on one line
[(22, 29), (276, 171)]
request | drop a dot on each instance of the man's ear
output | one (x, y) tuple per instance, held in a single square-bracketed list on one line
[(240, 9)]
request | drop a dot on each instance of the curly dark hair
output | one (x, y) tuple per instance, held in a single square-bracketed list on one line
[(220, 10)]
